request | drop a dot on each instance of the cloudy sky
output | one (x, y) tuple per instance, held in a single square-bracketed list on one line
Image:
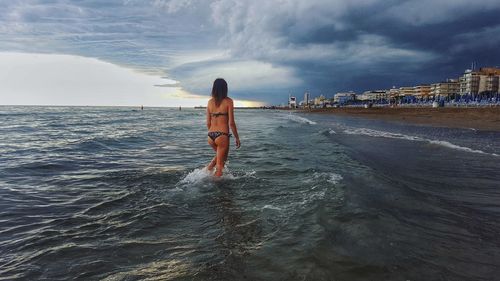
[(168, 52)]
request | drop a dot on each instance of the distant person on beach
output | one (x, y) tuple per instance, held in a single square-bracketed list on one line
[(220, 117)]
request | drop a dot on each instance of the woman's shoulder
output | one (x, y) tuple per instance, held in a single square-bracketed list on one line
[(228, 100)]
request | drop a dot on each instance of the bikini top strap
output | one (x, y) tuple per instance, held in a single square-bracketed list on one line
[(216, 114)]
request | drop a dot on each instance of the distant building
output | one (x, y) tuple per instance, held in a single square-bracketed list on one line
[(489, 80), (344, 97), (422, 91), (469, 82), (320, 101), (490, 70), (486, 79), (365, 96), (393, 93), (292, 102), (406, 91), (445, 89), (307, 98), (373, 95)]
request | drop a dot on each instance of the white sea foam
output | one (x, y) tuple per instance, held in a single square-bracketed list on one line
[(271, 207), (249, 174), (383, 134), (457, 147), (329, 177), (197, 176), (202, 175), (334, 178), (232, 175), (300, 119), (327, 131)]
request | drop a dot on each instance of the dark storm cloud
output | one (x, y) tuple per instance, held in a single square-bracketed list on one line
[(440, 44), (267, 49)]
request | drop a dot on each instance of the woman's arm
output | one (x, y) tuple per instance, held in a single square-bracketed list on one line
[(209, 120), (232, 124)]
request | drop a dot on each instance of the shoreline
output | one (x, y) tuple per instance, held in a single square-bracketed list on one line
[(478, 118)]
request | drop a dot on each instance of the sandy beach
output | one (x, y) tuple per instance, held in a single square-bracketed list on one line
[(479, 118)]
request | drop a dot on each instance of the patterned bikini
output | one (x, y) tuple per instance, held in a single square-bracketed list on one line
[(215, 134)]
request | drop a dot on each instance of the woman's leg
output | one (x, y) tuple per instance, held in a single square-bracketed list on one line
[(212, 163), (222, 143)]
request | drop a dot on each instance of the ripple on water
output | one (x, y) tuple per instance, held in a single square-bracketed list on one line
[(114, 194)]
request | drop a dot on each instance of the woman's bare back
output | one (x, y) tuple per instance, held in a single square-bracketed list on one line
[(219, 115)]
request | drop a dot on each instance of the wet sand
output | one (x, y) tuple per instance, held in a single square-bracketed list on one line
[(479, 118)]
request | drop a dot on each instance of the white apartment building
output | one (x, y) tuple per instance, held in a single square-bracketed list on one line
[(446, 88), (487, 79), (406, 91), (292, 102), (344, 97), (307, 98), (422, 91), (320, 101), (374, 95)]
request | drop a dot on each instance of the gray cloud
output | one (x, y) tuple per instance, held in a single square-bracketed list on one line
[(173, 85), (320, 45)]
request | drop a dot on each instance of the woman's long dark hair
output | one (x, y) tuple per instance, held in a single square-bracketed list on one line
[(219, 90)]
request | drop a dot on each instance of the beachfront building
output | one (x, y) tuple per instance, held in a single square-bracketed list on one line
[(406, 91), (489, 80), (489, 84), (365, 96), (406, 94), (393, 93), (486, 79), (422, 92), (376, 95), (469, 82), (344, 97), (320, 101), (292, 102), (307, 98), (445, 89)]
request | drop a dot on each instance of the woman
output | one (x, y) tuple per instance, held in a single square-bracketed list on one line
[(220, 117)]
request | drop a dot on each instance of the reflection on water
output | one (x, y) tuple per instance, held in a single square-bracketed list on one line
[(115, 194)]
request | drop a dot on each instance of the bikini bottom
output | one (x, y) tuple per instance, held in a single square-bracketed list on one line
[(216, 134)]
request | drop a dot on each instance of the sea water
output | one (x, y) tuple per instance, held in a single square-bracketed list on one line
[(116, 193)]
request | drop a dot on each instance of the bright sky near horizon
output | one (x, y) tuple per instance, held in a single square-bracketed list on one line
[(48, 79), (168, 52)]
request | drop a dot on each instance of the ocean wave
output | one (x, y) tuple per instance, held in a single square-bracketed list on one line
[(326, 132), (109, 204), (457, 147), (299, 119), (271, 207), (384, 134), (44, 166), (110, 142)]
